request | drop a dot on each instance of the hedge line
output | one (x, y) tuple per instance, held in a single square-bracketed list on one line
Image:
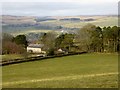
[(14, 61)]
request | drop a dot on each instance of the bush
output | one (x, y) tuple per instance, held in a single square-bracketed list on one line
[(12, 48), (50, 52)]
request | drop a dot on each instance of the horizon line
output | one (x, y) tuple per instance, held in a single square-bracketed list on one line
[(62, 15)]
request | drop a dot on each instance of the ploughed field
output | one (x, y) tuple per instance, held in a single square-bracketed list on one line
[(78, 71)]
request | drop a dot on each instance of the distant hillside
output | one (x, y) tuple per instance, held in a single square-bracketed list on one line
[(99, 20), (7, 19), (18, 24)]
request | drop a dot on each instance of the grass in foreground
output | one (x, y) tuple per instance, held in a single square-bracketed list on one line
[(81, 71)]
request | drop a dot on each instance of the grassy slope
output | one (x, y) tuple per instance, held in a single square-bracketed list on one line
[(16, 56), (11, 56), (101, 21), (29, 31), (58, 69)]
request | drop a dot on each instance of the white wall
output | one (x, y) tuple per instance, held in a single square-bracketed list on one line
[(34, 50)]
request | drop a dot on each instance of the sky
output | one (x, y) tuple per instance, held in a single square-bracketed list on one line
[(58, 7)]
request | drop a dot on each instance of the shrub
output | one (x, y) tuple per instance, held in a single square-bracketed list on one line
[(50, 52)]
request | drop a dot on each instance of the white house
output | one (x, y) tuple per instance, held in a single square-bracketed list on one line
[(35, 48)]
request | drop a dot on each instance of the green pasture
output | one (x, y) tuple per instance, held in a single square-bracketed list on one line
[(11, 56), (29, 31), (78, 71), (17, 56), (101, 21)]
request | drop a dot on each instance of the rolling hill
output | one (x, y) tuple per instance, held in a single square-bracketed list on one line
[(26, 24)]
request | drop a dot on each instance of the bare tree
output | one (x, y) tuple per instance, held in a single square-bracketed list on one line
[(83, 37), (48, 40)]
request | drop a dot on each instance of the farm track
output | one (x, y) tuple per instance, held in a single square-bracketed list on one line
[(58, 78)]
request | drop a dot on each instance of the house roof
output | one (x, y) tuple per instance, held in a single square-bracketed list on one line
[(36, 45)]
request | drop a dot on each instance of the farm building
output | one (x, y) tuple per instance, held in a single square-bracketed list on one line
[(35, 48)]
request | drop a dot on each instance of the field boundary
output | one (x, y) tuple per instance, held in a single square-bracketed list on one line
[(59, 78), (14, 61)]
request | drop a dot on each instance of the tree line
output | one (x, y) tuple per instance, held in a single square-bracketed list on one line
[(89, 38)]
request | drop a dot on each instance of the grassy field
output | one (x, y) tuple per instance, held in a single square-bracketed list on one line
[(100, 21), (16, 56), (29, 31), (78, 71), (11, 56)]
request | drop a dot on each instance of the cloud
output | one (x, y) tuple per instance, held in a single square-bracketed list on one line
[(59, 8), (78, 1)]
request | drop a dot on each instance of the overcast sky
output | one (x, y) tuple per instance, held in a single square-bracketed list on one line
[(59, 7)]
